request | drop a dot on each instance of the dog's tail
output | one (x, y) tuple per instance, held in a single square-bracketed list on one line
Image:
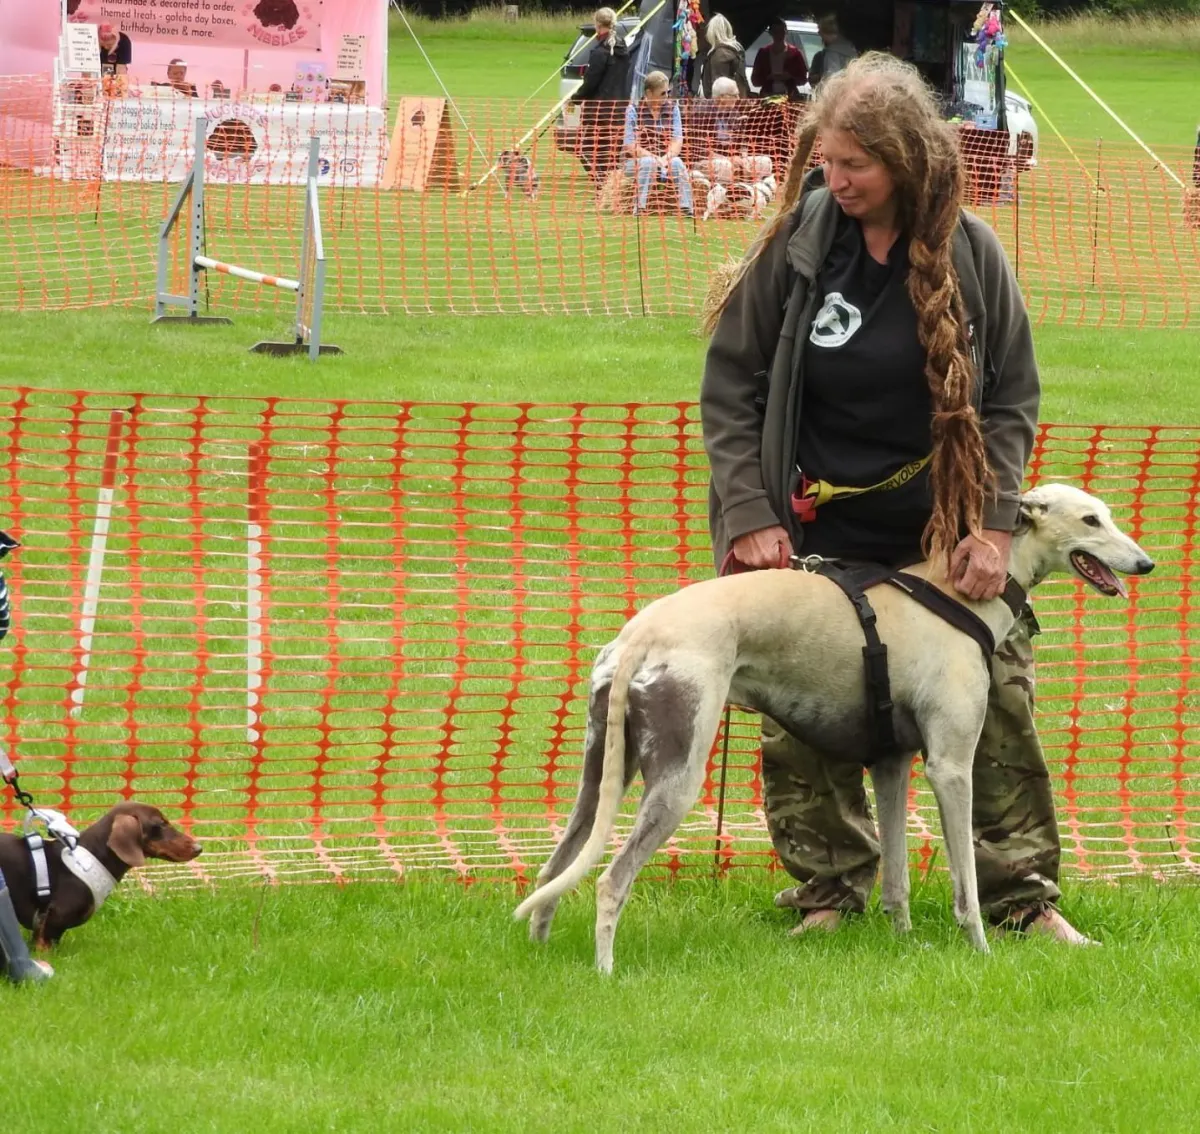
[(612, 784)]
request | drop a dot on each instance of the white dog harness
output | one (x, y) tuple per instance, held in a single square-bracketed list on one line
[(90, 871), (78, 860)]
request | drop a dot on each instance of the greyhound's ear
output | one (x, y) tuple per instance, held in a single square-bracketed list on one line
[(125, 840), (1028, 513)]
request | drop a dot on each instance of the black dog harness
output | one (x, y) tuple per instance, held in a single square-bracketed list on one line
[(855, 579)]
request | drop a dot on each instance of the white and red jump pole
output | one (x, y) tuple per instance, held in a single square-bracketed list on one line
[(98, 551), (256, 526), (309, 284)]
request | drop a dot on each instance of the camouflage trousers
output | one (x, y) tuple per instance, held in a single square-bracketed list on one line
[(820, 819)]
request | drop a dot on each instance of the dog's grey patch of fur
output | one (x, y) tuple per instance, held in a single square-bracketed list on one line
[(843, 731), (660, 723), (659, 733)]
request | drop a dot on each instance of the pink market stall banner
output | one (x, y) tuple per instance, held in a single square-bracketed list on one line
[(207, 23)]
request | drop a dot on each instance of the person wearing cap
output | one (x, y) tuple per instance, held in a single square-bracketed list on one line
[(177, 78), (116, 51)]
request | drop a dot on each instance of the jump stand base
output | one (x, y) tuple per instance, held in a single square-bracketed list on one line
[(281, 349), (193, 320)]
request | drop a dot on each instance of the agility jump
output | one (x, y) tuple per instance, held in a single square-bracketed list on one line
[(309, 284)]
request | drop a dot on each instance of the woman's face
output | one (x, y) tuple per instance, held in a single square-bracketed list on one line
[(860, 183)]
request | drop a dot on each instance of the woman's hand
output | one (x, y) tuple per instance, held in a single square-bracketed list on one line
[(767, 547), (979, 567)]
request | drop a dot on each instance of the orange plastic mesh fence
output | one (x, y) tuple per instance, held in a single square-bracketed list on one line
[(1099, 235), (342, 639)]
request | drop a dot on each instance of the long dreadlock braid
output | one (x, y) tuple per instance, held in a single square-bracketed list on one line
[(886, 107)]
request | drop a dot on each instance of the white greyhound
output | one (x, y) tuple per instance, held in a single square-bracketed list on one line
[(789, 644)]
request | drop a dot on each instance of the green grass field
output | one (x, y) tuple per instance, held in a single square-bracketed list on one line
[(1122, 376), (424, 1008), (421, 1006)]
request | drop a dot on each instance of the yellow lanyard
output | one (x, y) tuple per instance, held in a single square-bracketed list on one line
[(814, 493)]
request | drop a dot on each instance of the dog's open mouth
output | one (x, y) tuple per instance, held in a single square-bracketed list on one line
[(1100, 575)]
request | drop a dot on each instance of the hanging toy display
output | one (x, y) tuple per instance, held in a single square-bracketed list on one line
[(989, 35), (688, 18)]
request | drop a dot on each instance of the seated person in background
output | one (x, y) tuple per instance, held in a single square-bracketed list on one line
[(654, 141), (779, 68), (833, 57), (734, 180), (177, 78), (720, 137), (116, 51), (218, 89)]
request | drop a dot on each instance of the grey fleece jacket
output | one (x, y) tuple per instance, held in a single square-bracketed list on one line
[(751, 394)]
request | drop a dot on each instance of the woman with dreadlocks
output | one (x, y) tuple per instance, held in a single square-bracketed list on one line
[(870, 392)]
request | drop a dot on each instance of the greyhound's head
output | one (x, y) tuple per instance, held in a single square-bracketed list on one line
[(1062, 528)]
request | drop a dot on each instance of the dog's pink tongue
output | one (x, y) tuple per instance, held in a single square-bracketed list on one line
[(1113, 580)]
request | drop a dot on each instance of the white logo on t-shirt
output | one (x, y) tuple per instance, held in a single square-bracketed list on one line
[(835, 323)]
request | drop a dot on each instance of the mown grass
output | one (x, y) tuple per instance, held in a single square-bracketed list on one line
[(480, 57), (1121, 256), (1146, 70), (488, 23), (424, 1008), (1123, 376)]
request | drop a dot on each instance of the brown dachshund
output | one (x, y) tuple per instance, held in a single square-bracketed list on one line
[(120, 841)]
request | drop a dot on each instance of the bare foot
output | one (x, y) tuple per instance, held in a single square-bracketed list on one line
[(827, 920), (1046, 922)]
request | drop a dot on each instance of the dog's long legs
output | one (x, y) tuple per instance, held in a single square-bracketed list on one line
[(662, 809), (673, 764), (948, 766), (890, 778), (583, 814)]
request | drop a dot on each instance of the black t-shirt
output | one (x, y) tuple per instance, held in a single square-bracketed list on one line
[(866, 407), (122, 53)]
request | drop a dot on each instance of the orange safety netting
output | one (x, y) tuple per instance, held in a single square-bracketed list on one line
[(342, 639), (1098, 233)]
